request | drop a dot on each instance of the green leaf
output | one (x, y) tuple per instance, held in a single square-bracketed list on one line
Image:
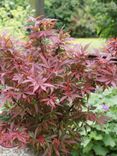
[(74, 153), (94, 135), (100, 150), (88, 148), (113, 154), (86, 141), (109, 141)]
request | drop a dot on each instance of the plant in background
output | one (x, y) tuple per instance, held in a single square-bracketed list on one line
[(85, 18), (46, 83), (105, 15), (74, 16), (13, 16)]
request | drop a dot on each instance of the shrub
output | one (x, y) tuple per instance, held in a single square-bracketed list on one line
[(74, 16), (111, 47), (90, 18), (101, 140), (45, 85), (13, 15), (105, 15)]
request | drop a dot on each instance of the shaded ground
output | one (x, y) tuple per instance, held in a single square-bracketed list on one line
[(15, 152)]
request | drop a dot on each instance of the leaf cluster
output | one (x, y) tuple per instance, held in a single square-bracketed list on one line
[(46, 82)]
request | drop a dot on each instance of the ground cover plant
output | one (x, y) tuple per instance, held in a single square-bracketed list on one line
[(100, 140), (45, 83)]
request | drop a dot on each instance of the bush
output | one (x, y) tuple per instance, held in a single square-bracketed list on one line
[(101, 140), (13, 15), (91, 18), (111, 47), (74, 16), (105, 15), (45, 85)]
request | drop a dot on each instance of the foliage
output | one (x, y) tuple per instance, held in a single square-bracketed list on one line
[(13, 15), (13, 3), (111, 46), (105, 15), (101, 140), (45, 85), (85, 18), (72, 15)]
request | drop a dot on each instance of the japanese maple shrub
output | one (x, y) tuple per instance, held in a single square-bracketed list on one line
[(111, 47), (45, 83)]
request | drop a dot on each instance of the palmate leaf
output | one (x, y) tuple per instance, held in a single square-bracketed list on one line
[(100, 149), (94, 135), (109, 141), (38, 83), (86, 141), (88, 148)]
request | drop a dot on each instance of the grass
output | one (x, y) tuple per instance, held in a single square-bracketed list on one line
[(94, 43)]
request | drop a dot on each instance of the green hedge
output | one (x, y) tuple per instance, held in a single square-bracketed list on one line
[(84, 18), (13, 16)]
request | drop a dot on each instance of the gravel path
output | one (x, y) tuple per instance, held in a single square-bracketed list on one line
[(15, 152)]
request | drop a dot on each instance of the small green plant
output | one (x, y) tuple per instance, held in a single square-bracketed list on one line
[(101, 140)]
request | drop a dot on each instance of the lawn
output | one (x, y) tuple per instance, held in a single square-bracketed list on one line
[(94, 42)]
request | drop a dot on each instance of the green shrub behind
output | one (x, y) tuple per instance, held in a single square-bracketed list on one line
[(72, 15), (85, 18), (13, 15)]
